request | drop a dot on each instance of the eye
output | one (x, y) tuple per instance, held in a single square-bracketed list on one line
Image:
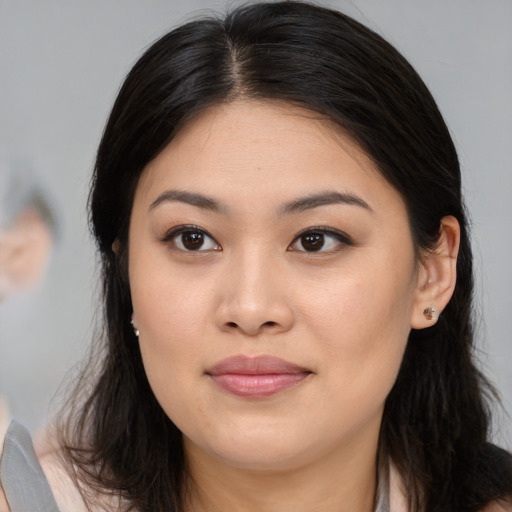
[(320, 240), (190, 239)]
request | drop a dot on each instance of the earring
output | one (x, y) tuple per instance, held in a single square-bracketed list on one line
[(430, 313), (135, 330)]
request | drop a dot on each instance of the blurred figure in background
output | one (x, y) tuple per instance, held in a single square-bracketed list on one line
[(27, 231)]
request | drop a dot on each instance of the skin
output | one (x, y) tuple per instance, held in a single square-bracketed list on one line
[(343, 312), (25, 250)]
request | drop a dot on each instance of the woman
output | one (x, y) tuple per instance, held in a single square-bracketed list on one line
[(287, 282)]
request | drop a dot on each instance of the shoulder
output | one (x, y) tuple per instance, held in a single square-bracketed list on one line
[(41, 479), (495, 475), (499, 506), (66, 493), (66, 488), (24, 484), (32, 483)]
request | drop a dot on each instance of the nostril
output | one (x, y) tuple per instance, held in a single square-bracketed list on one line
[(270, 324), (232, 324)]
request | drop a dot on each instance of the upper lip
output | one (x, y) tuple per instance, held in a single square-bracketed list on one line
[(258, 365)]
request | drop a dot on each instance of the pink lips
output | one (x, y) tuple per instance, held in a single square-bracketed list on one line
[(256, 377)]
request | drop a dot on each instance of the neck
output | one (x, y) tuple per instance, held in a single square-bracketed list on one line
[(336, 482)]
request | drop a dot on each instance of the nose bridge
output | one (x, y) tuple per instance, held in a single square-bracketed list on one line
[(255, 298), (252, 267), (253, 288)]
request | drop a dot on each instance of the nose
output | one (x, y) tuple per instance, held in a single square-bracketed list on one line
[(254, 297)]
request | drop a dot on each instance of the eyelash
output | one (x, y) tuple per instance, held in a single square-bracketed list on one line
[(341, 238)]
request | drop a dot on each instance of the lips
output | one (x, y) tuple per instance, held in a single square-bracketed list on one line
[(256, 377)]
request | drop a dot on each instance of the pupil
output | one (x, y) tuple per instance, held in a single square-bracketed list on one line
[(192, 240), (313, 242)]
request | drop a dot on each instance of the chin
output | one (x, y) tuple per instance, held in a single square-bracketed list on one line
[(258, 452)]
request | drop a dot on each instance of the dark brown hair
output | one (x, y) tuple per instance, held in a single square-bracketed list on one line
[(436, 418)]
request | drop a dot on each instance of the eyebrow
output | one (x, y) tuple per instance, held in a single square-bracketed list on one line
[(296, 206), (322, 199), (194, 199)]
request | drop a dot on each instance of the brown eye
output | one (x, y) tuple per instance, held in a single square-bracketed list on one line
[(312, 242), (190, 239), (323, 240)]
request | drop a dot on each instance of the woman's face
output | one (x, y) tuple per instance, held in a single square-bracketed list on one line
[(273, 279)]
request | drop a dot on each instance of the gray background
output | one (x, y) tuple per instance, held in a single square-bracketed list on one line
[(61, 63)]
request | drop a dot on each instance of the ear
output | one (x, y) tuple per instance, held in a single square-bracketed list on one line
[(115, 246), (24, 253), (437, 275)]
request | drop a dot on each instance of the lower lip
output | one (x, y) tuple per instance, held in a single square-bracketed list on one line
[(257, 386)]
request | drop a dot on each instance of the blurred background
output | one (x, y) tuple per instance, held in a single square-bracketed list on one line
[(61, 64)]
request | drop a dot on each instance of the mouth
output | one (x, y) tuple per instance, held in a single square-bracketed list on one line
[(256, 377)]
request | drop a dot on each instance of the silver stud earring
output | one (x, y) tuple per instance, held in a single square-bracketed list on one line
[(430, 313), (135, 330)]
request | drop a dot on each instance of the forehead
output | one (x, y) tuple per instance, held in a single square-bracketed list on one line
[(262, 149)]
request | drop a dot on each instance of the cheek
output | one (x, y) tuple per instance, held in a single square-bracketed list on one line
[(171, 333), (362, 321), (171, 340), (171, 313), (169, 305)]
